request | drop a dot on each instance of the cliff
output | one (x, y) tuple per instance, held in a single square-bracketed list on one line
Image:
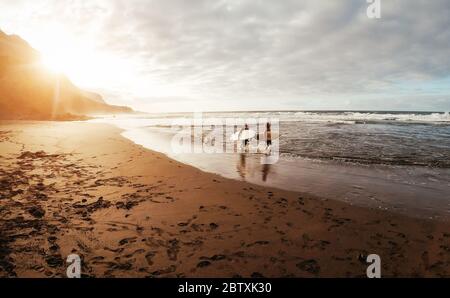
[(29, 91)]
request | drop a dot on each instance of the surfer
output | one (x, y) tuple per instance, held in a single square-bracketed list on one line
[(246, 141), (268, 136), (244, 135)]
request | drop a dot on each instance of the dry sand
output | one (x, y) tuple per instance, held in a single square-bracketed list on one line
[(81, 188)]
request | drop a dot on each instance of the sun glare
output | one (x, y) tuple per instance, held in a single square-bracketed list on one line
[(78, 63), (53, 63), (80, 60), (87, 66)]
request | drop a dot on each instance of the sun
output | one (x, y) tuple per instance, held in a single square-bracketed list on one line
[(76, 62), (81, 60), (63, 57), (54, 63)]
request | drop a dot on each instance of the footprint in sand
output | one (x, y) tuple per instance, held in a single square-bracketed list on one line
[(310, 266), (127, 240), (149, 257)]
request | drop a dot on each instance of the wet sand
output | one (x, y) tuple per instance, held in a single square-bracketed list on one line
[(410, 190), (68, 187)]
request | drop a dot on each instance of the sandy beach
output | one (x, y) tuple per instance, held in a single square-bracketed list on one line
[(75, 187)]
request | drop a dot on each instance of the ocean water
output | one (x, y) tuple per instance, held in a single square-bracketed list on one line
[(397, 161), (390, 142)]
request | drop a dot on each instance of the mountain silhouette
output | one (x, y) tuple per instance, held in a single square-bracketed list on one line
[(29, 91)]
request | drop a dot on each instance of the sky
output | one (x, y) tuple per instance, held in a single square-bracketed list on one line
[(209, 55)]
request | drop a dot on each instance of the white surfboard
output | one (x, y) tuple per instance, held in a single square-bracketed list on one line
[(243, 135)]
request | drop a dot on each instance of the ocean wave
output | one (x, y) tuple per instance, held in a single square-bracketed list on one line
[(359, 117)]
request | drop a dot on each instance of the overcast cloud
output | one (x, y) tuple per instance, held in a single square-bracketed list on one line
[(250, 54)]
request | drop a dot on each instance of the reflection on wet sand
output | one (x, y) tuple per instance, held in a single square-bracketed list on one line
[(251, 169), (241, 166), (265, 171)]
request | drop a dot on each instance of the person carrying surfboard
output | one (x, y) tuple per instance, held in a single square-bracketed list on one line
[(268, 136), (246, 141), (244, 135)]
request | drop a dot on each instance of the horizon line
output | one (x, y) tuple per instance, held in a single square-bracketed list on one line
[(312, 110)]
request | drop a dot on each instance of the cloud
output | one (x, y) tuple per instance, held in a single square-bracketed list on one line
[(265, 54)]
